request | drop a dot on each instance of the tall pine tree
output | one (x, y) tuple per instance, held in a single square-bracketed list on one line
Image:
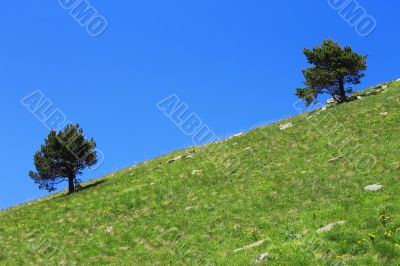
[(334, 68), (63, 157)]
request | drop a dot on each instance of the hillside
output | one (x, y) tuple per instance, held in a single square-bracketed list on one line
[(290, 196)]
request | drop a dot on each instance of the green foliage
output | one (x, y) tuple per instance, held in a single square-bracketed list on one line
[(334, 67), (63, 157)]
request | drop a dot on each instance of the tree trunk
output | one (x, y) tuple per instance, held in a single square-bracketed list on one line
[(71, 185), (342, 91)]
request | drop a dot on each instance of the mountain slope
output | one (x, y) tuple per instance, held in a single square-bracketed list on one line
[(255, 198)]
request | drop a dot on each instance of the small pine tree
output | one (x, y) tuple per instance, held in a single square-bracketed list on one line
[(63, 157), (334, 67)]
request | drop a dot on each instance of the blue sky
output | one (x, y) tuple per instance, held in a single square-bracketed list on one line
[(235, 63)]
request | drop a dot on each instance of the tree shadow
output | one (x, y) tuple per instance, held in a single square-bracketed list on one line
[(89, 186), (81, 188)]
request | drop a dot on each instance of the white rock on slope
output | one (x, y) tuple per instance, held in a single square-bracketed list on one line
[(235, 136), (195, 172), (285, 126), (175, 159), (256, 244), (108, 230), (262, 257), (374, 187), (329, 227)]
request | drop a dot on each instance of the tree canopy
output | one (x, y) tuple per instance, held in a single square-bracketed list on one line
[(63, 157), (334, 68)]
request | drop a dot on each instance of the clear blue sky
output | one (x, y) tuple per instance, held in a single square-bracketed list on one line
[(235, 63)]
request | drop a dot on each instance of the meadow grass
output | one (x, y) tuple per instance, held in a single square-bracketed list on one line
[(268, 184)]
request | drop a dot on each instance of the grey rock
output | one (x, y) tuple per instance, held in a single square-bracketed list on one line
[(175, 159), (336, 158), (235, 136), (374, 187), (285, 126), (256, 244), (195, 172), (262, 257), (310, 160), (329, 227)]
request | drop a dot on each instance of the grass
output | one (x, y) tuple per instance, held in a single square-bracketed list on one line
[(267, 184)]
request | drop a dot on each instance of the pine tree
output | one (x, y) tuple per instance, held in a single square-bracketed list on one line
[(63, 157), (334, 67)]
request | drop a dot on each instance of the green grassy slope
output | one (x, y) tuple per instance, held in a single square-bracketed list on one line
[(269, 187)]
